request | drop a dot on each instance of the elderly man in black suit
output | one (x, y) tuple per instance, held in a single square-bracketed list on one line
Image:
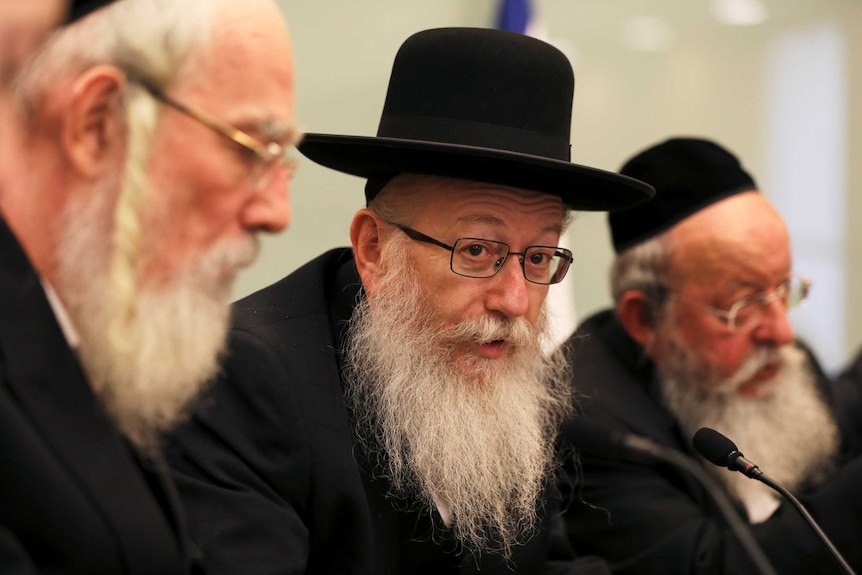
[(389, 408), (133, 200), (700, 337)]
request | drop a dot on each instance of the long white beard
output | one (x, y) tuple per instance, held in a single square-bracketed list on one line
[(147, 374), (473, 435), (788, 431)]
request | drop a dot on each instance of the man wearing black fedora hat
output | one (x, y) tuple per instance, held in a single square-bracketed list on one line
[(388, 408), (699, 337), (132, 203)]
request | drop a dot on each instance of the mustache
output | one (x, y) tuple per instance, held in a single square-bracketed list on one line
[(762, 357), (487, 329)]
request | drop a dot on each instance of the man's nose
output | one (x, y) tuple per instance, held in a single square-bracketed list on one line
[(269, 209), (775, 325), (508, 289)]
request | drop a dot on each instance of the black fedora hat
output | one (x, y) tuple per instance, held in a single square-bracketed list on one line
[(478, 104)]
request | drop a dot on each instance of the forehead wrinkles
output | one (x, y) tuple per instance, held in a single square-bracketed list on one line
[(477, 200)]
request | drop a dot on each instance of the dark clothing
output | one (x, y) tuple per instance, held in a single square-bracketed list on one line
[(269, 470), (847, 392), (74, 497), (646, 518)]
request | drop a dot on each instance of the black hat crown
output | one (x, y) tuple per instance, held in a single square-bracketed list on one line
[(688, 175), (456, 86), (479, 104)]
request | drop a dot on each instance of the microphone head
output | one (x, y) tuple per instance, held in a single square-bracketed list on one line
[(715, 447)]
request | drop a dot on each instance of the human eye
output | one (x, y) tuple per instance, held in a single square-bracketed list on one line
[(540, 258), (744, 309), (783, 292), (478, 256), (476, 250)]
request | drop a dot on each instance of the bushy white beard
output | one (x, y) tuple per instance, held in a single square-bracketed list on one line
[(147, 374), (475, 435), (788, 431)]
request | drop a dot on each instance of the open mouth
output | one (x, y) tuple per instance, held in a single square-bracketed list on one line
[(493, 349)]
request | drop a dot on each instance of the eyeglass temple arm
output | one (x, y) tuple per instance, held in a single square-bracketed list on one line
[(419, 236), (234, 134)]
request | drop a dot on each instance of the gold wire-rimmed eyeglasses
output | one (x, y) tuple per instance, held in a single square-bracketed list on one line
[(749, 311), (269, 155)]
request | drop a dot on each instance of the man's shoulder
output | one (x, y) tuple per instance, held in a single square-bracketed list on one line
[(600, 348), (302, 293), (590, 332)]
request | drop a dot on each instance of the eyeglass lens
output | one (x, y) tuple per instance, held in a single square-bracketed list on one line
[(790, 294)]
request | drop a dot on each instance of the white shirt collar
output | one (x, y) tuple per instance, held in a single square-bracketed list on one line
[(66, 325)]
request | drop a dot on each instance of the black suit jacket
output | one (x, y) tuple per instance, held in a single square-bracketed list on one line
[(648, 519), (73, 497), (268, 469)]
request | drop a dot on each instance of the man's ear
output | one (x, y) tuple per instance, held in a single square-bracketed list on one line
[(637, 317), (365, 232), (93, 124)]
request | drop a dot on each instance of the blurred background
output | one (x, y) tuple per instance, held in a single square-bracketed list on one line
[(778, 82)]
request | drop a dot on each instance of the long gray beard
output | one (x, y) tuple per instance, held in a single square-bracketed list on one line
[(474, 435), (148, 374), (788, 432)]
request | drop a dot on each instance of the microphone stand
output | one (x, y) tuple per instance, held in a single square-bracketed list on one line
[(739, 528), (721, 451), (763, 478)]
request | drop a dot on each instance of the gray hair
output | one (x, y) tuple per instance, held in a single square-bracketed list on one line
[(643, 268), (151, 40)]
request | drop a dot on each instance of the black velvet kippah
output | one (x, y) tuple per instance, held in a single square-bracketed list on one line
[(688, 174), (81, 8)]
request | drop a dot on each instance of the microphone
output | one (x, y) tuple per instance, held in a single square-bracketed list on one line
[(616, 445), (718, 449)]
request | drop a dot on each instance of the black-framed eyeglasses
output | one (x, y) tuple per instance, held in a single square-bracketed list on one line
[(481, 258), (269, 155), (749, 311)]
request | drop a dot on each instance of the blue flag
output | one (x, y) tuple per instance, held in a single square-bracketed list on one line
[(514, 15)]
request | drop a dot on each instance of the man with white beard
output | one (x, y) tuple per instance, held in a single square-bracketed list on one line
[(133, 201), (389, 409), (699, 337)]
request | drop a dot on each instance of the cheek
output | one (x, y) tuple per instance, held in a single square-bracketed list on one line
[(713, 345), (455, 299), (537, 295), (185, 219), (722, 352), (731, 352)]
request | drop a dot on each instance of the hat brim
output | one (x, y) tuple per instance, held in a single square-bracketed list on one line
[(580, 187)]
